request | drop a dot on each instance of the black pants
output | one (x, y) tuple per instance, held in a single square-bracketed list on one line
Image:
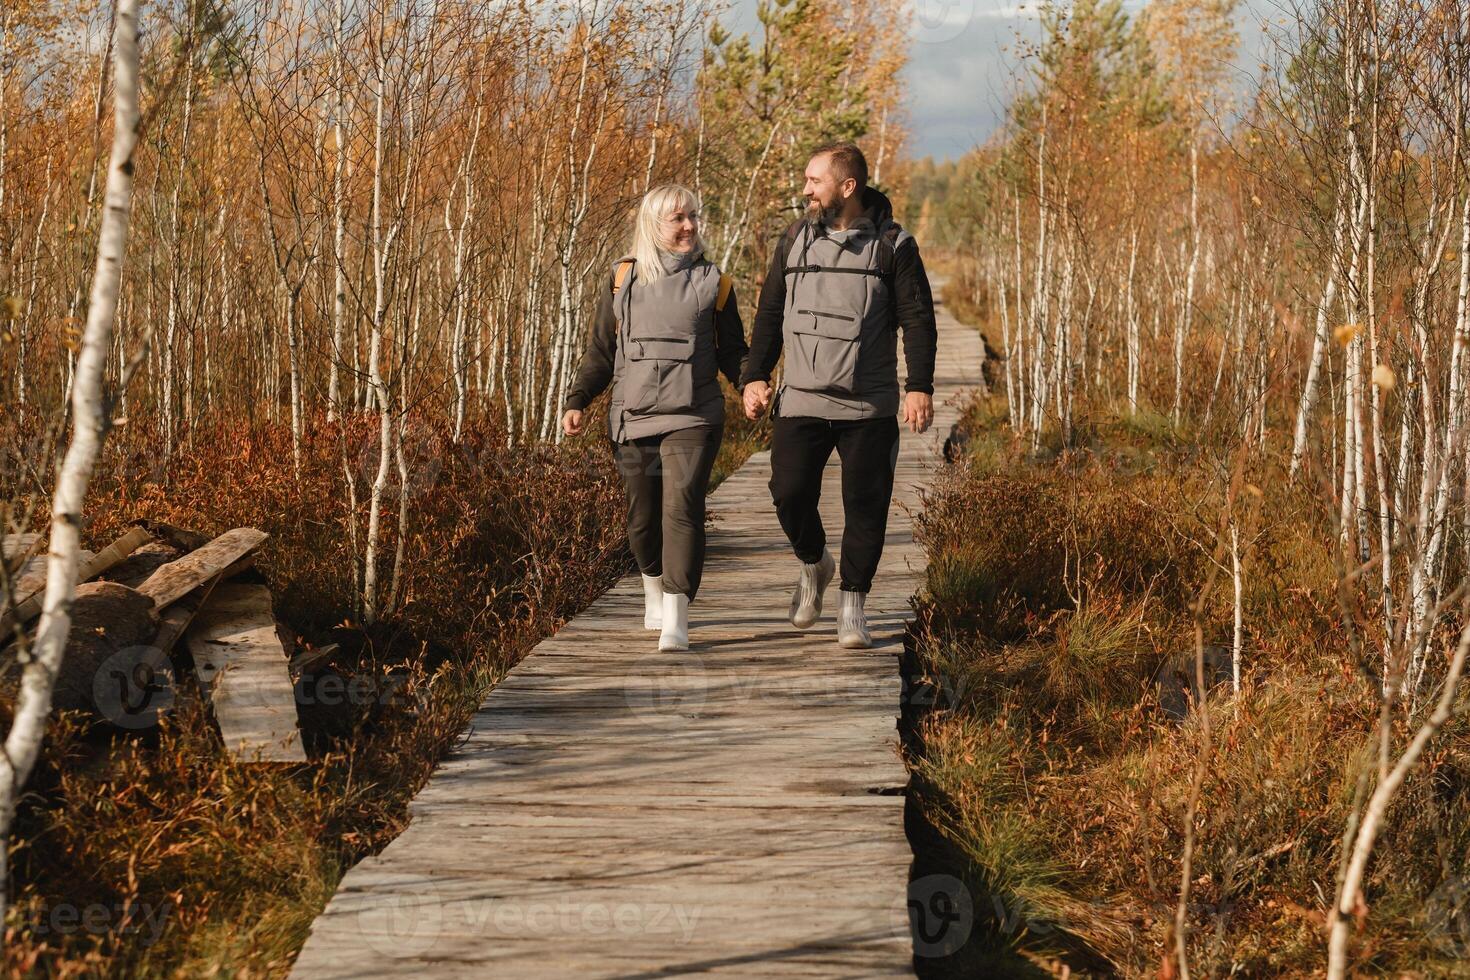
[(868, 449), (667, 477)]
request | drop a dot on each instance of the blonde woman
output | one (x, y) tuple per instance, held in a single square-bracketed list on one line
[(666, 326)]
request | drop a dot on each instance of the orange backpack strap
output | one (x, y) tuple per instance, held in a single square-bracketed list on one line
[(620, 274), (725, 284)]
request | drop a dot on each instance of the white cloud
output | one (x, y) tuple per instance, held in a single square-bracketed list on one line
[(963, 58)]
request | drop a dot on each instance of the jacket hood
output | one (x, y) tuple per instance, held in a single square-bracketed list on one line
[(876, 206)]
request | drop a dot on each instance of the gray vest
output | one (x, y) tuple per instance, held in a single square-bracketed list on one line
[(665, 374), (839, 329)]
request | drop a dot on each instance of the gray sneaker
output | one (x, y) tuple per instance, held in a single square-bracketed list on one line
[(852, 622), (806, 601)]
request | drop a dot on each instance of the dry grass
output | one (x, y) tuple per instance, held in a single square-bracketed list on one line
[(1057, 588)]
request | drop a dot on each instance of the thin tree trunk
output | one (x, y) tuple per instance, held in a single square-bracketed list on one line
[(89, 425)]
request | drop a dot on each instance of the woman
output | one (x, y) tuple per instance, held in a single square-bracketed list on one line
[(666, 324)]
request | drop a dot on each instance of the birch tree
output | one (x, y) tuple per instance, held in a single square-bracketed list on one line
[(89, 422)]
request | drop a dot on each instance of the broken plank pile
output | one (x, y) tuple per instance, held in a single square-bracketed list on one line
[(135, 600)]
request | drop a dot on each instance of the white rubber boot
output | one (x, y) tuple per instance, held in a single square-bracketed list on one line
[(653, 602), (675, 635), (806, 602), (852, 622)]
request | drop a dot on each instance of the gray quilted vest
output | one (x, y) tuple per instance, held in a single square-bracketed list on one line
[(840, 329), (665, 371)]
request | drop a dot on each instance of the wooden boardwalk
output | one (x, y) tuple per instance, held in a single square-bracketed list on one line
[(618, 812)]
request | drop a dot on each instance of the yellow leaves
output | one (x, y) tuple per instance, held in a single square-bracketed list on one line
[(1383, 377), (1347, 333), (10, 308), (1254, 491)]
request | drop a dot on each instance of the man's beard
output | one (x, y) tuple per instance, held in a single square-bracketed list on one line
[(823, 215)]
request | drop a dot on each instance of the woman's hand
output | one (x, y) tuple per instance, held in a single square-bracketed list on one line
[(571, 422)]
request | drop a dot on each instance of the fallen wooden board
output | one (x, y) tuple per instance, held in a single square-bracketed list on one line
[(30, 589), (175, 620), (30, 578), (114, 553), (241, 665), (16, 548), (177, 579)]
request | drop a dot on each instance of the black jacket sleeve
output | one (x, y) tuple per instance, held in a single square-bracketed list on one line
[(595, 371), (915, 307), (765, 334), (731, 351)]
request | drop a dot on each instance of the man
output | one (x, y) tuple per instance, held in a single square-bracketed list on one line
[(842, 280)]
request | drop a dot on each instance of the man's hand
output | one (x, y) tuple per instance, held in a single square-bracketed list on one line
[(571, 422), (756, 396), (918, 410)]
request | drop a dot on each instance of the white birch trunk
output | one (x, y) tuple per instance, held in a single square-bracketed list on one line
[(39, 670)]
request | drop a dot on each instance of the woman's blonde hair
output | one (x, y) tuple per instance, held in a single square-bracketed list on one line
[(648, 238)]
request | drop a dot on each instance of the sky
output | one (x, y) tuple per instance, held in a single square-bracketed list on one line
[(962, 62)]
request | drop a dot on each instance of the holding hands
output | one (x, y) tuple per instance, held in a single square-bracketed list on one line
[(918, 407), (756, 396)]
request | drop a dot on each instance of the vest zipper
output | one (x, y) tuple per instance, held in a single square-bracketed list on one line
[(835, 316)]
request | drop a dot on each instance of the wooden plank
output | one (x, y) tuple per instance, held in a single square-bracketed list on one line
[(240, 663), (30, 578), (15, 549), (109, 557), (178, 578), (741, 803), (174, 621), (30, 589)]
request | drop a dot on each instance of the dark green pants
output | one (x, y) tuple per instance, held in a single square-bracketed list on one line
[(667, 477)]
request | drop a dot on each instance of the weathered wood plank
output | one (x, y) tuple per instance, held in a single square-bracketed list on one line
[(31, 587), (178, 578), (16, 548), (240, 663)]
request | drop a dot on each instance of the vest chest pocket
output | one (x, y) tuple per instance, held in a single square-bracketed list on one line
[(823, 351), (660, 373)]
